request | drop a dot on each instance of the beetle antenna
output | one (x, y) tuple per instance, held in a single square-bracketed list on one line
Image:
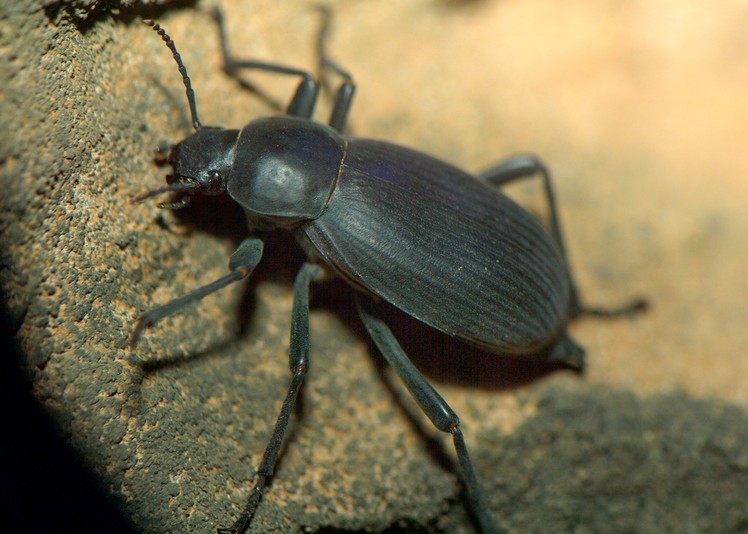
[(182, 70), (179, 187)]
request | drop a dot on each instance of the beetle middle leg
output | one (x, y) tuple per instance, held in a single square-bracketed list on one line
[(525, 166), (432, 404), (298, 361)]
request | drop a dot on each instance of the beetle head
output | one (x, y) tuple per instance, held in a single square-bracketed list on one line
[(204, 159), (201, 166), (202, 162)]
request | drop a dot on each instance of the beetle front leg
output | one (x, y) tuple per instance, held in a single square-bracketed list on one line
[(243, 261), (344, 95), (525, 166), (304, 99), (298, 360), (432, 404)]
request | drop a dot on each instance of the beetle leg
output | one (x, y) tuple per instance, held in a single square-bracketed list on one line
[(432, 404), (568, 352), (342, 104), (304, 99), (298, 360), (242, 263), (525, 166), (344, 94)]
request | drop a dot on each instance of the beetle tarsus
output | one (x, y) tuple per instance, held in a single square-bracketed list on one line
[(245, 518), (144, 323), (474, 493), (634, 307), (238, 527)]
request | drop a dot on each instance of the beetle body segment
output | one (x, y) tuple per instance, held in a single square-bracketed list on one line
[(285, 168), (443, 247)]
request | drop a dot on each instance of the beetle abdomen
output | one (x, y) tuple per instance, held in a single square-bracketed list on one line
[(451, 251)]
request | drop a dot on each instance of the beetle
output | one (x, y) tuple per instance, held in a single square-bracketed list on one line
[(445, 247)]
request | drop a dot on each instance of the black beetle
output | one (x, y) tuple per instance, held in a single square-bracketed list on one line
[(439, 244)]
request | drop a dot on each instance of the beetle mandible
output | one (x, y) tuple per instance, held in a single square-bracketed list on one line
[(445, 247)]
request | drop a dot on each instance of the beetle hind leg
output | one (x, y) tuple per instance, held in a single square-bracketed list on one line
[(568, 352), (525, 166), (433, 405), (634, 306)]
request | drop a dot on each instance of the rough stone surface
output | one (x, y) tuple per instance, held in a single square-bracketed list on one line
[(645, 132)]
